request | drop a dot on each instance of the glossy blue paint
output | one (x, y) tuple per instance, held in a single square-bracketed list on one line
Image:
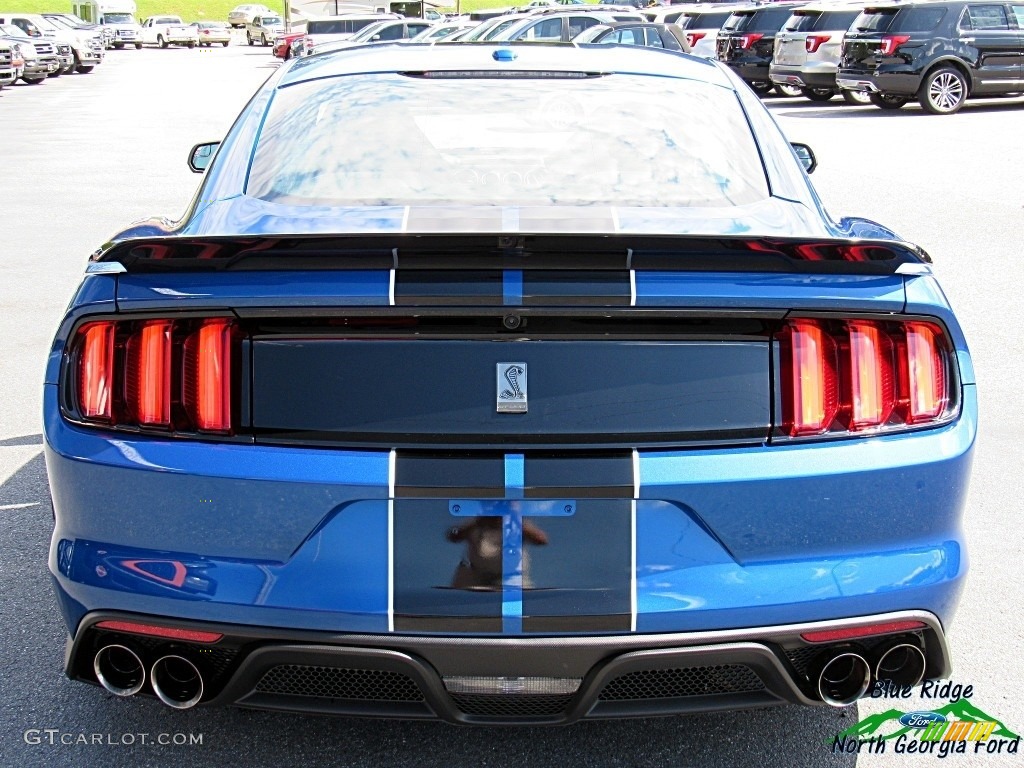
[(771, 290)]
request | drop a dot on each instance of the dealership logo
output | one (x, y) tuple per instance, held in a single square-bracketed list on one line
[(512, 388), (957, 728)]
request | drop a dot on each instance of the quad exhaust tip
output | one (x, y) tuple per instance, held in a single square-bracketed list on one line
[(903, 664), (119, 669), (844, 679), (176, 681)]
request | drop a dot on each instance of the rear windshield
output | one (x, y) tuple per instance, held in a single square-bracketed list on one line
[(616, 140), (713, 20), (899, 19), (817, 21), (768, 20)]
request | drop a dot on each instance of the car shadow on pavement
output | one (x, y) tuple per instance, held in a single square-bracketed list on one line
[(49, 720)]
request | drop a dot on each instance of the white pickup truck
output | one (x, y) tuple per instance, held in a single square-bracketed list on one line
[(169, 30)]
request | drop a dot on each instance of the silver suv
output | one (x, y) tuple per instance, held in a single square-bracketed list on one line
[(807, 50)]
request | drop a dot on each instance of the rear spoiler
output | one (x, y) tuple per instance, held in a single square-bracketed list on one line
[(521, 252)]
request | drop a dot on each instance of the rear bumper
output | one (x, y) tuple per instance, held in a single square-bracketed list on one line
[(483, 680), (894, 83), (821, 77)]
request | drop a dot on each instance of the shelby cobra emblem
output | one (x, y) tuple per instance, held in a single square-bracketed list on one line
[(511, 388)]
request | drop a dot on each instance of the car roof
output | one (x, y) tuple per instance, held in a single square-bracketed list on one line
[(526, 57)]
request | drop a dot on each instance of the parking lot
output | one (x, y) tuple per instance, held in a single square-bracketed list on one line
[(85, 154)]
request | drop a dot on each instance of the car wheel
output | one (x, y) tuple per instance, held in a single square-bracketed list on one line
[(251, 41), (225, 44), (33, 80), (138, 46), (118, 46), (84, 69), (943, 92), (56, 73), (855, 97), (191, 45), (887, 101), (818, 94), (265, 41), (161, 42), (788, 90)]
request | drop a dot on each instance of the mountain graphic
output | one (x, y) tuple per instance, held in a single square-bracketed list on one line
[(886, 725)]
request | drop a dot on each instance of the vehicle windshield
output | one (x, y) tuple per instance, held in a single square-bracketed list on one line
[(118, 18), (271, 21), (765, 20), (12, 31), (703, 20), (367, 32), (615, 140)]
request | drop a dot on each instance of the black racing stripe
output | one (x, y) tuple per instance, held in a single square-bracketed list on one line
[(606, 475), (578, 576), (448, 287), (450, 475), (447, 570), (606, 288)]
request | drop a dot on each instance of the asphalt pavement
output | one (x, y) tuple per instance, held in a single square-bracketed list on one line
[(85, 154)]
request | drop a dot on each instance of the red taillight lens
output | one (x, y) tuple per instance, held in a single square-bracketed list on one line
[(922, 374), (891, 42), (695, 37), (810, 383), (872, 377), (861, 375), (96, 370), (148, 373), (164, 374), (814, 42), (749, 39), (207, 384)]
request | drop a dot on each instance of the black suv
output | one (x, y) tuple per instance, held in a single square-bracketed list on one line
[(940, 53), (747, 40)]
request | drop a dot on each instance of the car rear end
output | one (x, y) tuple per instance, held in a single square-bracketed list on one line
[(746, 42), (520, 463), (702, 24), (808, 47), (884, 48)]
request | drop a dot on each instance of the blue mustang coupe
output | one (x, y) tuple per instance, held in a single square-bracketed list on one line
[(507, 383)]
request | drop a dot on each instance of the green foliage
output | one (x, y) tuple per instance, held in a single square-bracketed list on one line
[(195, 10)]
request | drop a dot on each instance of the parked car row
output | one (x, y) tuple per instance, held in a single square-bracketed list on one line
[(939, 52), (34, 47)]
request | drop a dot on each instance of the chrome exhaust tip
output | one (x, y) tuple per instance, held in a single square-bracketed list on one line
[(902, 664), (119, 670), (177, 682), (844, 679)]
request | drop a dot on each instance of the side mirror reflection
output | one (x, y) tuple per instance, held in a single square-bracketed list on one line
[(202, 155), (805, 155)]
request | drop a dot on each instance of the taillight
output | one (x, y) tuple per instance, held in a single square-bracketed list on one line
[(692, 38), (147, 383), (872, 380), (861, 375), (95, 370), (749, 39), (891, 42), (922, 374), (813, 42), (810, 383), (171, 375), (207, 381)]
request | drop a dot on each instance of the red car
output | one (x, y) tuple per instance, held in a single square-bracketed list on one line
[(283, 44)]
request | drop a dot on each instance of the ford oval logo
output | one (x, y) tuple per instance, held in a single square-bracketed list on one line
[(921, 719)]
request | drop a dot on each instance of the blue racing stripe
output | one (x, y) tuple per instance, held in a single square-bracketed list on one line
[(512, 287), (512, 546)]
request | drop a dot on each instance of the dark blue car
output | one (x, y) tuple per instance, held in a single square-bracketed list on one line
[(516, 383)]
